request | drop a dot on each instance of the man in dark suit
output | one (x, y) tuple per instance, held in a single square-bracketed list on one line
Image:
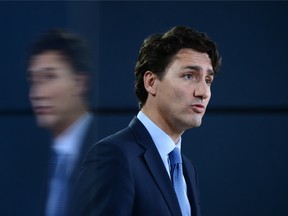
[(138, 170), (58, 69)]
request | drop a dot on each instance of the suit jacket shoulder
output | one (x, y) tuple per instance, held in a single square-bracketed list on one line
[(124, 174)]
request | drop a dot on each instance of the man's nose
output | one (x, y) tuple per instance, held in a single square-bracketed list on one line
[(37, 91), (202, 90)]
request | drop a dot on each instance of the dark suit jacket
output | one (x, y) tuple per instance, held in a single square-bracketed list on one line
[(124, 175)]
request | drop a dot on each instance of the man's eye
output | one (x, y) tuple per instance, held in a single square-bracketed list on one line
[(48, 76), (41, 79), (188, 76), (209, 81)]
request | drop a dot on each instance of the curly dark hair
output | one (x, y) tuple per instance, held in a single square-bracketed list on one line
[(158, 50)]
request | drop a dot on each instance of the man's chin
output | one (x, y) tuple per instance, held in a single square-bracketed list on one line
[(196, 122), (45, 121)]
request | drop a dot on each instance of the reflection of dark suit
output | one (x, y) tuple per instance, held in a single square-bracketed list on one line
[(90, 138), (124, 175)]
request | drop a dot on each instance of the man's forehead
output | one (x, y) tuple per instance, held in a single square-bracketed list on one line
[(192, 53), (47, 59), (48, 56), (193, 59)]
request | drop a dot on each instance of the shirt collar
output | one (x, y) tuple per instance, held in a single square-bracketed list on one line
[(70, 140), (163, 142)]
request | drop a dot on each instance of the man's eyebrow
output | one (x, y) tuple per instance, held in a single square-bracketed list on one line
[(49, 69), (45, 69), (198, 68)]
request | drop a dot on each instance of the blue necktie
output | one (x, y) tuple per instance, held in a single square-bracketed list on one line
[(59, 186), (178, 181)]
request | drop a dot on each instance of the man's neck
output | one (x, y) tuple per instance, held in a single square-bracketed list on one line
[(161, 123), (62, 128)]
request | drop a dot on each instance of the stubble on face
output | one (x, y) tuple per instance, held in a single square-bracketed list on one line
[(182, 93)]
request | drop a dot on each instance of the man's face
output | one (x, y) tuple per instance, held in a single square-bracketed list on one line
[(55, 90), (184, 91)]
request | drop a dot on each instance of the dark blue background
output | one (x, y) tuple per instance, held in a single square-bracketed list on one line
[(240, 150)]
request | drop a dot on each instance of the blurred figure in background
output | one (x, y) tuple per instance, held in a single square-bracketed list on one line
[(58, 67)]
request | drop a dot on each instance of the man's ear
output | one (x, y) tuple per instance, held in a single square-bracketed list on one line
[(150, 83)]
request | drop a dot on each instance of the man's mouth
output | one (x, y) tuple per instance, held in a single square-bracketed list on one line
[(198, 108), (42, 109)]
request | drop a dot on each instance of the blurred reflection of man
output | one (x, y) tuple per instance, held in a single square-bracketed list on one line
[(58, 73)]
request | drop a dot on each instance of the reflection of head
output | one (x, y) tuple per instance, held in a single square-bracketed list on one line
[(157, 52), (70, 46), (57, 70)]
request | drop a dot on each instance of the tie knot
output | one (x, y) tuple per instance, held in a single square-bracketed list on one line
[(175, 156)]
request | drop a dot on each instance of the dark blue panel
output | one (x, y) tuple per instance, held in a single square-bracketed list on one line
[(23, 163), (242, 164)]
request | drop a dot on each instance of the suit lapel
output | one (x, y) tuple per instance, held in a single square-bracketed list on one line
[(192, 188), (156, 166), (89, 139)]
